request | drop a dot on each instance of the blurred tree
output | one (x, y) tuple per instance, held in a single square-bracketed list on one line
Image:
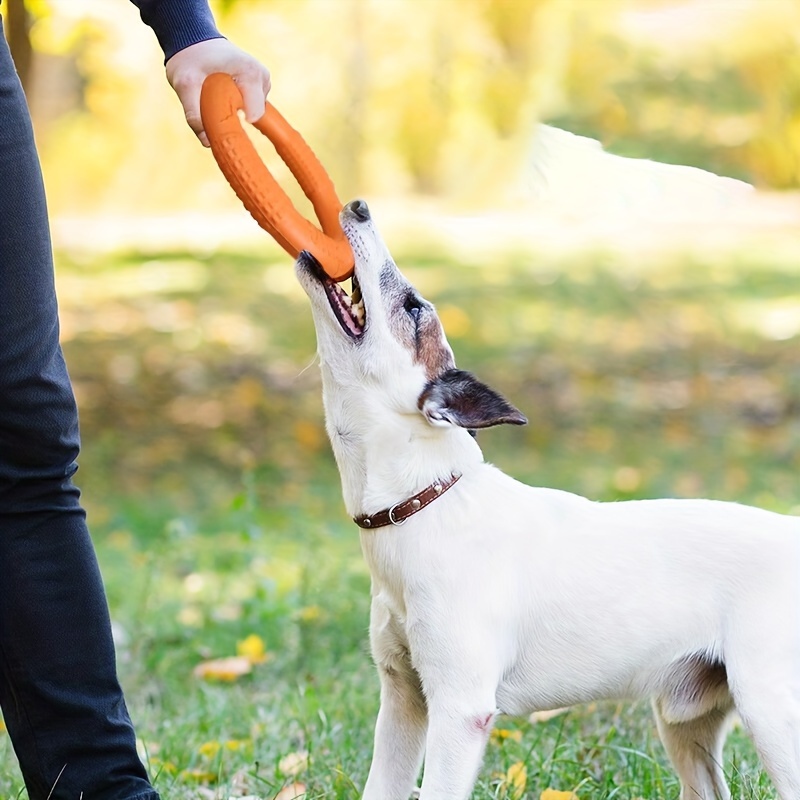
[(720, 92), (772, 153), (423, 105), (429, 97), (513, 61), (18, 30)]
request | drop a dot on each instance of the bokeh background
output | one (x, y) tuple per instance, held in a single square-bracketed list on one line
[(646, 320), (173, 300)]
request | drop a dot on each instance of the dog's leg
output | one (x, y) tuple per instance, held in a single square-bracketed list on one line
[(772, 718), (403, 716), (764, 675), (457, 734), (695, 749), (399, 736)]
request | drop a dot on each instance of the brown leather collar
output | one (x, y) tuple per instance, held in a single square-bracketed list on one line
[(400, 512)]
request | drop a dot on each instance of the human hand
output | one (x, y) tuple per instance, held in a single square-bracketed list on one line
[(188, 68)]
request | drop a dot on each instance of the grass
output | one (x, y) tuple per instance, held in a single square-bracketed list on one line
[(215, 502)]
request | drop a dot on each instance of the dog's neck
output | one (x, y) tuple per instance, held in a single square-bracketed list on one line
[(385, 458)]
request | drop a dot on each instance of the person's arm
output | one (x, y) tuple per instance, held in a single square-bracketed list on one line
[(194, 48), (178, 24)]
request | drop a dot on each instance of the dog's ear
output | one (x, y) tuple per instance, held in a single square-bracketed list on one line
[(459, 398)]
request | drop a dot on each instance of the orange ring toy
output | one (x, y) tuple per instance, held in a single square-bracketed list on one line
[(262, 196)]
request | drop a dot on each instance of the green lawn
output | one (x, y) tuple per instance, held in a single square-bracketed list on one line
[(215, 503)]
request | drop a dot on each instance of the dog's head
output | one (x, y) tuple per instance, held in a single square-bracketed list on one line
[(385, 360)]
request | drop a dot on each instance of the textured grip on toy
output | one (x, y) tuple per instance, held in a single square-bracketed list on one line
[(262, 196)]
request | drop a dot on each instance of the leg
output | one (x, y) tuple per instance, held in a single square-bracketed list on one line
[(764, 671), (770, 712), (778, 745), (399, 737), (695, 749), (403, 716), (457, 734), (58, 687), (456, 650)]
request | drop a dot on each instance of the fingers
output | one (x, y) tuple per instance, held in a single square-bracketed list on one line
[(189, 94), (254, 89), (188, 68)]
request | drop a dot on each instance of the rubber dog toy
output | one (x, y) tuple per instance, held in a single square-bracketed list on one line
[(262, 196)]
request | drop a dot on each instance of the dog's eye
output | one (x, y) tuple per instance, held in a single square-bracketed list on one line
[(413, 307)]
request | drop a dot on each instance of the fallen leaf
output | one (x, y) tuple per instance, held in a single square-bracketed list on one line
[(237, 744), (501, 734), (209, 749), (242, 784), (157, 766), (294, 763), (224, 669), (543, 716), (516, 779), (252, 648), (199, 776), (291, 792), (309, 613), (554, 794)]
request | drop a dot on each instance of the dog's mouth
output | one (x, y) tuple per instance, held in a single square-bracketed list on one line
[(348, 309)]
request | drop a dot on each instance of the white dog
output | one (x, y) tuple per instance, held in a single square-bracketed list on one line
[(496, 597)]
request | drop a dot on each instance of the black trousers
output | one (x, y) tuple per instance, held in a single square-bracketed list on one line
[(59, 692)]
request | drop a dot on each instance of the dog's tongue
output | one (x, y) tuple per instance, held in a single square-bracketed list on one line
[(349, 310)]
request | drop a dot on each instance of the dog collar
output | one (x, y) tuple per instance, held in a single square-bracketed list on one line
[(400, 512)]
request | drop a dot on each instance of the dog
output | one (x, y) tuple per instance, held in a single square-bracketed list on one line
[(490, 596)]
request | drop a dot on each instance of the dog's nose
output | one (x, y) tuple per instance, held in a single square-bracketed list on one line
[(359, 209)]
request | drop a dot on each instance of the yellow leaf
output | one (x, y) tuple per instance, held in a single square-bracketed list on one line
[(554, 794), (291, 792), (237, 744), (543, 716), (199, 776), (158, 766), (2, 726), (209, 749), (294, 763), (516, 779), (224, 669), (309, 613), (252, 648), (501, 734)]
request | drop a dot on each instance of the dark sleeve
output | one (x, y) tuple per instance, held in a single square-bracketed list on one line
[(178, 23)]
